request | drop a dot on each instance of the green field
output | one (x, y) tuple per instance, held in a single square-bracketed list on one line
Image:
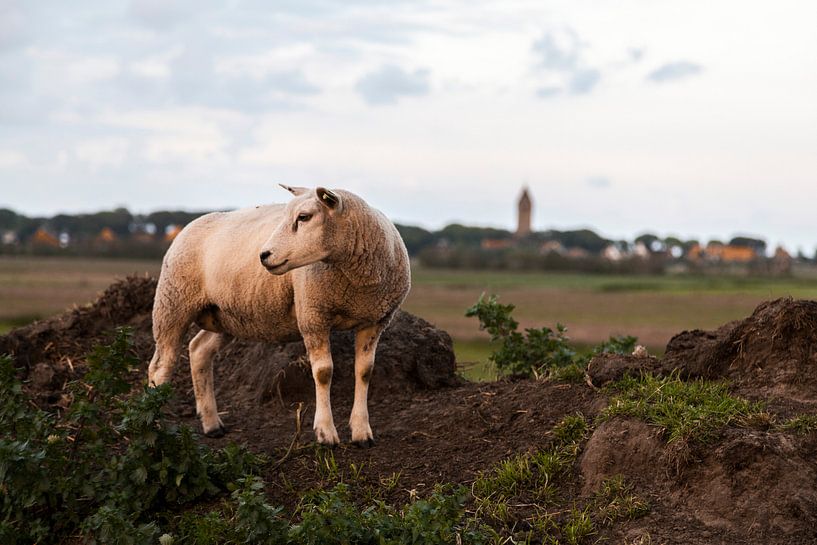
[(593, 307)]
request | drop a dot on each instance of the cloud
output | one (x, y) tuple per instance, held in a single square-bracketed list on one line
[(388, 83), (161, 14), (55, 65), (559, 55), (12, 24), (548, 92), (11, 158), (598, 182), (583, 81), (672, 71), (558, 50), (102, 152), (291, 82)]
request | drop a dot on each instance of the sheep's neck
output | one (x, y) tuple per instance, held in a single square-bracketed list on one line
[(366, 258)]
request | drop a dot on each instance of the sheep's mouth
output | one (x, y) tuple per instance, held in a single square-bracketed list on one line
[(271, 268)]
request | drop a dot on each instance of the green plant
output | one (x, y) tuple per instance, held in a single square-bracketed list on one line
[(537, 352), (107, 464), (257, 522), (212, 528), (326, 464), (526, 354), (619, 344), (331, 517)]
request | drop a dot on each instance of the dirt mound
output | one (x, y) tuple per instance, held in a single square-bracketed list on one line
[(752, 487), (772, 353), (756, 484), (621, 447), (412, 354), (606, 368), (75, 331)]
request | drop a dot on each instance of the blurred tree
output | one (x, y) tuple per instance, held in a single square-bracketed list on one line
[(416, 238), (759, 245)]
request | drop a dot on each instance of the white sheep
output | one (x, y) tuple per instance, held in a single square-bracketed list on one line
[(336, 263)]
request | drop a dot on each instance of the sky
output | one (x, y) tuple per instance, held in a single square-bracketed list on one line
[(691, 118)]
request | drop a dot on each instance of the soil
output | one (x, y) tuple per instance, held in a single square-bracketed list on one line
[(752, 486)]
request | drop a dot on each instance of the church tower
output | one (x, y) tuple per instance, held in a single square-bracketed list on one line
[(524, 214)]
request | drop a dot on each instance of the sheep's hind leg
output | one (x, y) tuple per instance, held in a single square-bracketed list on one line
[(320, 358), (203, 348), (365, 347), (168, 334)]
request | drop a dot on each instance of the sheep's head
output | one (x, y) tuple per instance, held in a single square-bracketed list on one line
[(305, 235)]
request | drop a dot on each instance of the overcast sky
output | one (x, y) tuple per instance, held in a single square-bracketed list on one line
[(695, 118)]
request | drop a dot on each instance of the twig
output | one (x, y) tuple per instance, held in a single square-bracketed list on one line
[(295, 438)]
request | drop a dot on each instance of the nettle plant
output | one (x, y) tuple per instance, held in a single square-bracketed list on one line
[(536, 352), (107, 463)]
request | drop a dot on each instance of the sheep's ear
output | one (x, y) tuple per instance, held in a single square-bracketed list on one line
[(295, 190), (327, 198)]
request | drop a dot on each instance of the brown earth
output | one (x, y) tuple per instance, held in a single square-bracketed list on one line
[(753, 486)]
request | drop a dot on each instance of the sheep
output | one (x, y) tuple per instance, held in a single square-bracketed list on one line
[(276, 273)]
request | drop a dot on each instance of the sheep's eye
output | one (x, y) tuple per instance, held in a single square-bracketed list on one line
[(304, 217)]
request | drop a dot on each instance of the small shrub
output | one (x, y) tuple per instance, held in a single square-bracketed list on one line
[(537, 352), (526, 354)]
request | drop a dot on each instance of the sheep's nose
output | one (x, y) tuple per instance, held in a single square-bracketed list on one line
[(264, 255)]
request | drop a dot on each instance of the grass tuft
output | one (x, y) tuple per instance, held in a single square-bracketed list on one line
[(802, 424), (689, 411), (616, 501), (578, 527), (572, 429)]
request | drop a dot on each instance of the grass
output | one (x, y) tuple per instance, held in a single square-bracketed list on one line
[(472, 359), (533, 476), (34, 287), (596, 306), (693, 411), (18, 321), (504, 495)]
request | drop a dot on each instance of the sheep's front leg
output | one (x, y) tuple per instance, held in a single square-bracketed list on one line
[(365, 347), (320, 358)]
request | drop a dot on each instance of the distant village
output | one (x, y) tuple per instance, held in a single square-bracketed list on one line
[(740, 254), (119, 233)]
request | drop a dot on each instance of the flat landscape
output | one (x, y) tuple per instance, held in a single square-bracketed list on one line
[(593, 307)]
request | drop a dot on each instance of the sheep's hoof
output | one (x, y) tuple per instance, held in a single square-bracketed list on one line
[(366, 443), (220, 431), (329, 439)]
